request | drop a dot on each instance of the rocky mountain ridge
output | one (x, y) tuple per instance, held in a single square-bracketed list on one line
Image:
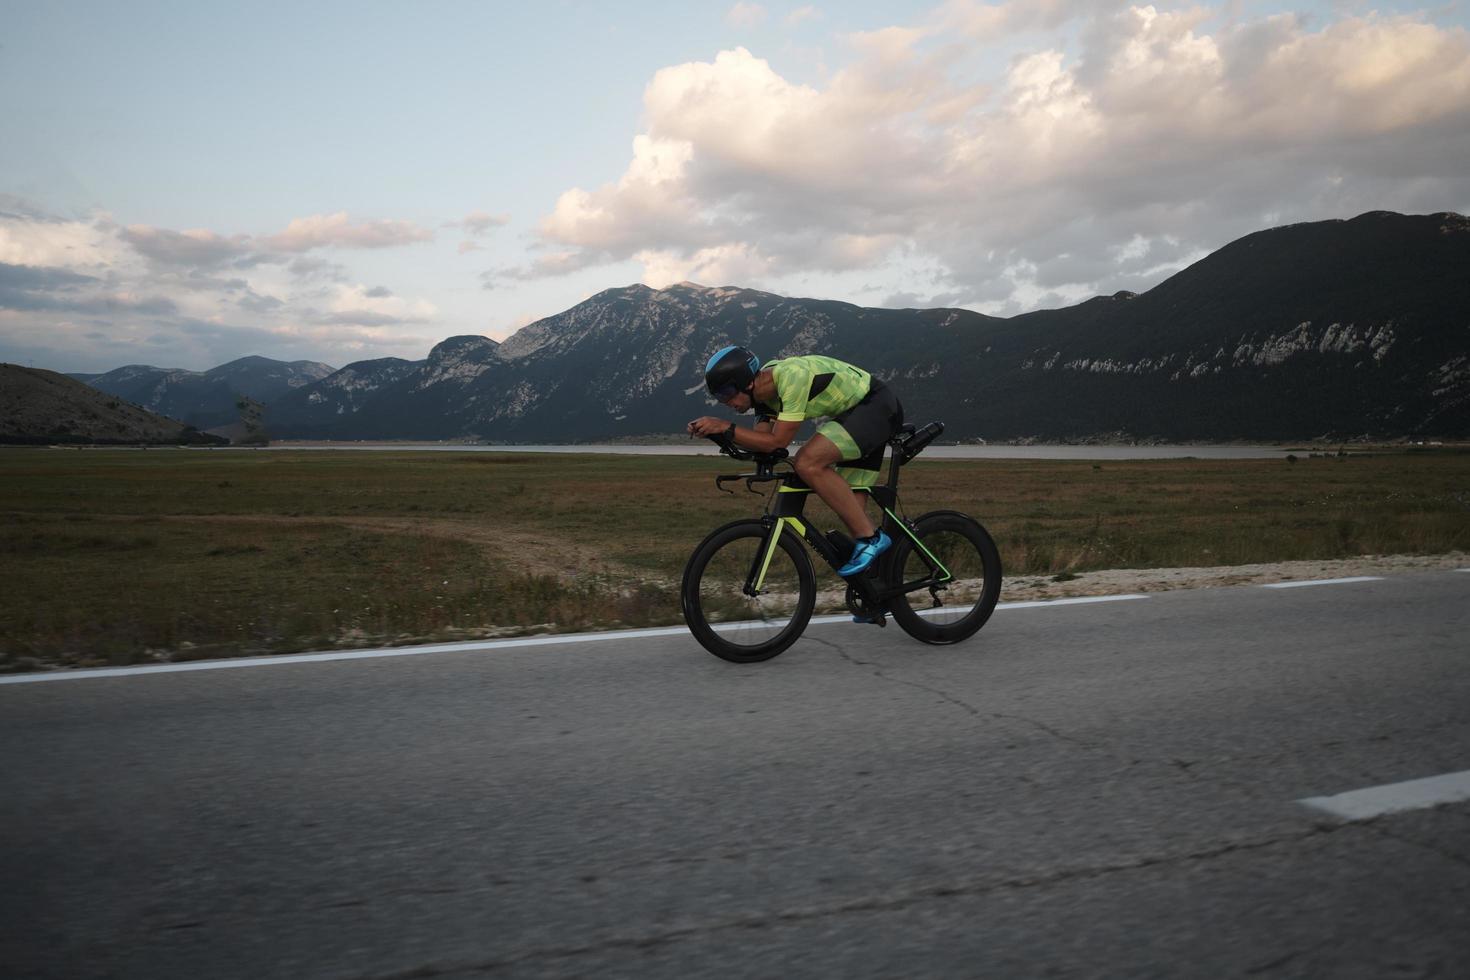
[(1335, 329)]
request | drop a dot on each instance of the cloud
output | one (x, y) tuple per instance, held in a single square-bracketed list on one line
[(364, 318), (324, 230), (989, 21), (34, 289), (554, 263), (197, 247), (40, 279), (256, 303), (476, 225), (24, 287), (801, 15), (201, 248), (55, 295), (479, 222), (1023, 181), (745, 15), (374, 307), (721, 265), (203, 296), (307, 268), (29, 237)]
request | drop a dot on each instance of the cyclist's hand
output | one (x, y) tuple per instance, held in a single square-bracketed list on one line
[(708, 425)]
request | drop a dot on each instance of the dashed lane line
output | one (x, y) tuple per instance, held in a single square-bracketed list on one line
[(1323, 581), (484, 645), (1375, 801)]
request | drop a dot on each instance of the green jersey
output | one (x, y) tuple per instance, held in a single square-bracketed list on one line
[(813, 386)]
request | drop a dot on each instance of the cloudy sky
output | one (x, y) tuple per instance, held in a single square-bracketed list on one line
[(186, 183)]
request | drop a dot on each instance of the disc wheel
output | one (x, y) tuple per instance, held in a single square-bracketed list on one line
[(962, 559), (738, 627)]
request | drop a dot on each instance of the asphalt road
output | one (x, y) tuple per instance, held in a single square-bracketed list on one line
[(1082, 790)]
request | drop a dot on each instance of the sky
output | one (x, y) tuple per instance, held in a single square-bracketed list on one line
[(182, 184)]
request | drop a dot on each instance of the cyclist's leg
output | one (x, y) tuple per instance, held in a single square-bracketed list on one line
[(856, 437), (815, 463)]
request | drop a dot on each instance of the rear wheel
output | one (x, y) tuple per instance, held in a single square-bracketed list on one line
[(739, 627), (962, 566)]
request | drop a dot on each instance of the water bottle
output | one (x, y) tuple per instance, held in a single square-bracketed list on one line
[(920, 439)]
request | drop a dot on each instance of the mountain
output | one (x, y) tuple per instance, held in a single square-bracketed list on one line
[(1333, 329), (209, 398), (370, 396), (42, 407)]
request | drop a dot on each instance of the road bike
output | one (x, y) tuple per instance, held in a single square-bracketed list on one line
[(749, 588)]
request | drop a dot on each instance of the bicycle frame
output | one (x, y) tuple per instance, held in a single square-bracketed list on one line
[(785, 508)]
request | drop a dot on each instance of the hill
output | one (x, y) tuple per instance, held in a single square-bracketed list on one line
[(1335, 329), (207, 399), (42, 407)]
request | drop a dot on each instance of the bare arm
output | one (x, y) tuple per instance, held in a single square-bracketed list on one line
[(767, 437), (764, 437)]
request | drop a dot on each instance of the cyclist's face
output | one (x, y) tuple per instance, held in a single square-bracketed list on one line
[(739, 401)]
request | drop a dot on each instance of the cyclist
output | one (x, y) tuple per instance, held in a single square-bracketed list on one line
[(862, 412)]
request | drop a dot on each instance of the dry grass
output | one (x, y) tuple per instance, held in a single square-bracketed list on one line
[(127, 556)]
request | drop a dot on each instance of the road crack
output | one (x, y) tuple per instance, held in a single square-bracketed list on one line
[(878, 672), (903, 899)]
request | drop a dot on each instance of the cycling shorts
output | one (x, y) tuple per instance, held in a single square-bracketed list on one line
[(862, 433)]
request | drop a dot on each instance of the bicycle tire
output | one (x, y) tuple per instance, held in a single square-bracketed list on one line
[(968, 551), (736, 627)]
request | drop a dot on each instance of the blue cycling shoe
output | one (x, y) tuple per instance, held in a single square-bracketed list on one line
[(862, 556)]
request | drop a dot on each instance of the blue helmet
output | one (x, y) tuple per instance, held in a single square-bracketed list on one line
[(730, 371)]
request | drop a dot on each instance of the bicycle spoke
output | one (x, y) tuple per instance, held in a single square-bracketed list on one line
[(734, 624), (739, 618)]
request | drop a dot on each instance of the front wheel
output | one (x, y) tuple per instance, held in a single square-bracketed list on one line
[(732, 624), (960, 566)]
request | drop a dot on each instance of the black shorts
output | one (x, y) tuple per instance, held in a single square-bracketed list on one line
[(862, 433)]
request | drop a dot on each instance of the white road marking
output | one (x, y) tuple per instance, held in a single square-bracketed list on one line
[(847, 618), (530, 641), (1070, 602), (1375, 801), (1323, 581)]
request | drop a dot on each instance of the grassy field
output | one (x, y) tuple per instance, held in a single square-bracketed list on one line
[(126, 556)]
